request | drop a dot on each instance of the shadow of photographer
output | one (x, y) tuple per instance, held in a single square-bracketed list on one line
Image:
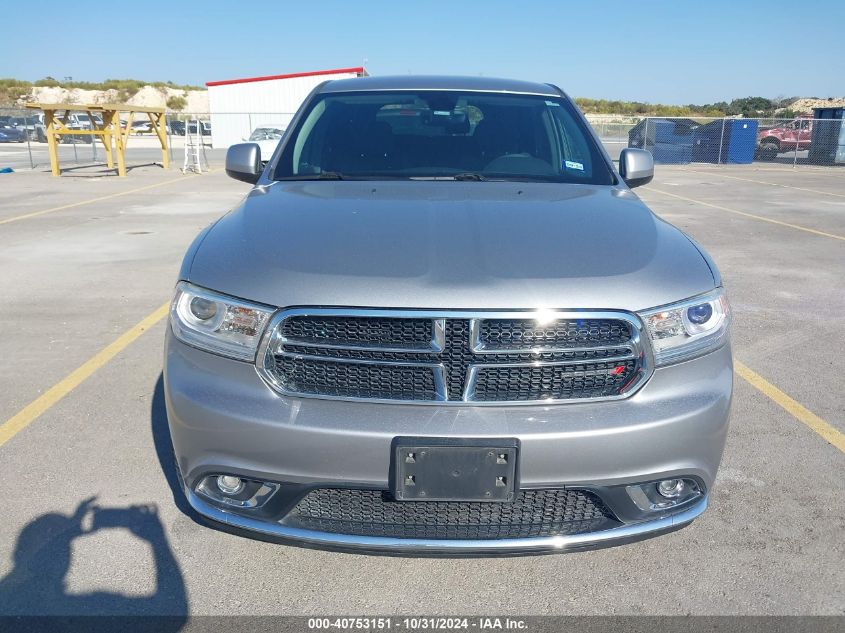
[(37, 583)]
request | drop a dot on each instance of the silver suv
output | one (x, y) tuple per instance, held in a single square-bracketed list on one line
[(442, 322)]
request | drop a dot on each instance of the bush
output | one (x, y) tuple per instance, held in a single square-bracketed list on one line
[(13, 89), (176, 103), (47, 82), (637, 108)]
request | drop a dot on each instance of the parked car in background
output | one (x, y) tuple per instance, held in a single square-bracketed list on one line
[(205, 126), (39, 127), (9, 133), (26, 123), (177, 128), (785, 137), (18, 122), (142, 127), (456, 330), (267, 138), (82, 121)]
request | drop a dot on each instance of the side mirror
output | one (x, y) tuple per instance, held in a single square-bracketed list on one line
[(243, 162), (636, 166)]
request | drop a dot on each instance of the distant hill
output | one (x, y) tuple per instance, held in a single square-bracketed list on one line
[(637, 108), (749, 107), (806, 105), (186, 98), (180, 98)]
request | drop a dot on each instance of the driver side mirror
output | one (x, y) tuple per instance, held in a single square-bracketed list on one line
[(636, 166), (243, 162)]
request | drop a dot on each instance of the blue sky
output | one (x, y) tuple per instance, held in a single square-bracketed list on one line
[(668, 52)]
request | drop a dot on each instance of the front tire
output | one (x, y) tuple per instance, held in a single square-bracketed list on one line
[(768, 150)]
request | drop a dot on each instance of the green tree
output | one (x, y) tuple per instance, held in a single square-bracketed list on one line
[(751, 107), (47, 82)]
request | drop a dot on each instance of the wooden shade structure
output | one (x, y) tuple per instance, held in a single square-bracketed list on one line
[(56, 117)]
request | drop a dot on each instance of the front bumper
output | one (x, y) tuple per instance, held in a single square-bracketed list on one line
[(565, 543), (224, 419)]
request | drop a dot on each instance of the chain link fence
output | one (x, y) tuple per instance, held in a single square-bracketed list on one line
[(679, 140), (23, 137)]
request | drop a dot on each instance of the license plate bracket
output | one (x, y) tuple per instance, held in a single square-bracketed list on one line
[(447, 469)]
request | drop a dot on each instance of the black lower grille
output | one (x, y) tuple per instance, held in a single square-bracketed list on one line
[(534, 513)]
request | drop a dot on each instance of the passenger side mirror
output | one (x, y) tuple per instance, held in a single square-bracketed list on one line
[(636, 166), (243, 162)]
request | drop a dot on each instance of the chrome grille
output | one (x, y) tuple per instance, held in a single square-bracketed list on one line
[(454, 357)]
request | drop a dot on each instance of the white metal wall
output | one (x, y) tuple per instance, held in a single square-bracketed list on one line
[(237, 108)]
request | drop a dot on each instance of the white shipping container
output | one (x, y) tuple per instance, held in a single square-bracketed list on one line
[(238, 106)]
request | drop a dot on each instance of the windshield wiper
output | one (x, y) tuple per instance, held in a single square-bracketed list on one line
[(469, 176), (326, 175)]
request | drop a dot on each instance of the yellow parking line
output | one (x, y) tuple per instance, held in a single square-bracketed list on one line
[(763, 182), (83, 202), (797, 410), (30, 412), (748, 215)]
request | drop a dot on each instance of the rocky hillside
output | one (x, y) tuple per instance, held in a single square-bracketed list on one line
[(177, 99), (805, 106)]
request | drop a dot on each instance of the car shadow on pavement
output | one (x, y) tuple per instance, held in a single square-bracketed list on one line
[(164, 449), (37, 585)]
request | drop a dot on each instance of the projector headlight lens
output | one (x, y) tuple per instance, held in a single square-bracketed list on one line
[(217, 323), (689, 328), (203, 309), (700, 314)]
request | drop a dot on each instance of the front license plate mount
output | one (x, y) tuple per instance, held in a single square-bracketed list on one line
[(447, 469)]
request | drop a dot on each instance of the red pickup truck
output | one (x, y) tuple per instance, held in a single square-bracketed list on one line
[(785, 137)]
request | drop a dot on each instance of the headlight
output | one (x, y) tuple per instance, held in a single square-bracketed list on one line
[(689, 328), (217, 323)]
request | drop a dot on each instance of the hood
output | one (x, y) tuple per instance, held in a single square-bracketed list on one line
[(448, 245)]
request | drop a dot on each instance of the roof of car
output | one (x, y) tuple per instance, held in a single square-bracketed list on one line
[(438, 82)]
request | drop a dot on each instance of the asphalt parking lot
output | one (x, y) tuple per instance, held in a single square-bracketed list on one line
[(87, 263)]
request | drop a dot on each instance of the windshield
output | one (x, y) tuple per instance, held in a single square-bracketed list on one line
[(442, 134), (266, 134)]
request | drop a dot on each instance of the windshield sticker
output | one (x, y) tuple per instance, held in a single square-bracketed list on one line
[(571, 164), (554, 104)]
